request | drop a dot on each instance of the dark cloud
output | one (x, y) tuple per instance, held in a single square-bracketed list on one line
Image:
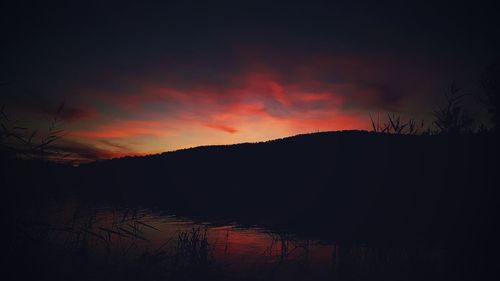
[(72, 113), (45, 104), (223, 128), (81, 152), (115, 145)]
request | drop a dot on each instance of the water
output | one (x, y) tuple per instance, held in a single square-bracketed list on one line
[(123, 238), (236, 249)]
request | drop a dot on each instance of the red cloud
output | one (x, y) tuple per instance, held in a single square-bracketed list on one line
[(253, 104), (224, 128)]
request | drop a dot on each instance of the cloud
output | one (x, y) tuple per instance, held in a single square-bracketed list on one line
[(224, 128), (122, 129), (115, 145), (73, 113), (283, 84), (188, 103), (35, 102), (70, 150)]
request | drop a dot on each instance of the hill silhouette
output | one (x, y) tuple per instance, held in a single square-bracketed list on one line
[(349, 184)]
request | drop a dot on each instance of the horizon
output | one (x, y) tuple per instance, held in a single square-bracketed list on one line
[(234, 144)]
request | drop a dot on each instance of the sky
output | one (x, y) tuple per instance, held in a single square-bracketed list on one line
[(158, 76)]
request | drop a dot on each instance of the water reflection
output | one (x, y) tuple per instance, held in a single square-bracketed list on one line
[(181, 245)]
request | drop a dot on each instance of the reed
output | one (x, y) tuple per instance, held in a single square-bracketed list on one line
[(394, 124)]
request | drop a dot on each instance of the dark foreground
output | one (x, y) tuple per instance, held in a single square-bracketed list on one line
[(390, 207)]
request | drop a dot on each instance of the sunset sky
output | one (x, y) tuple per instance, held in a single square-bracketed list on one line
[(149, 78)]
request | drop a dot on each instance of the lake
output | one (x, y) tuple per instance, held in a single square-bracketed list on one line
[(146, 242)]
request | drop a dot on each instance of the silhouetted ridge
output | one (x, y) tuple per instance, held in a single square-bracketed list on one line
[(300, 137), (366, 185)]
